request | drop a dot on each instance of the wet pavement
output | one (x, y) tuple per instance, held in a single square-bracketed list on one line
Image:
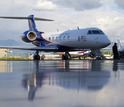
[(74, 83)]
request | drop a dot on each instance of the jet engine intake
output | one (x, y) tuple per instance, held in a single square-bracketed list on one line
[(29, 36)]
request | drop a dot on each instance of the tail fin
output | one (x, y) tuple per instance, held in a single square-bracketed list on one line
[(31, 21), (119, 45)]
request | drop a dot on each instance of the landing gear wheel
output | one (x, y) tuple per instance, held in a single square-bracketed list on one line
[(98, 58), (64, 57), (36, 57), (43, 57)]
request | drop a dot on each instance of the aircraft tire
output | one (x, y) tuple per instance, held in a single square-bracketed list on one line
[(64, 57), (43, 57), (98, 58), (37, 57)]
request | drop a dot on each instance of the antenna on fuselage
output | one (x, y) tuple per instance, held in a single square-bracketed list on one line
[(78, 27)]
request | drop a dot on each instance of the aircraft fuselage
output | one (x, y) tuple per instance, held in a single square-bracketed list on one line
[(89, 38)]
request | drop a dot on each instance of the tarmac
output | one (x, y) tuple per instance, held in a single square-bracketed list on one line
[(58, 83)]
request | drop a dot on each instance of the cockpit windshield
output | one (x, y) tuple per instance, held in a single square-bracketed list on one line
[(101, 32), (95, 32)]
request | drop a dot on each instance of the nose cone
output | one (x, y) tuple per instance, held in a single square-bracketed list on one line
[(106, 42)]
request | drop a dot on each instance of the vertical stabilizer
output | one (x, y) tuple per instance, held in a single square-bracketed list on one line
[(31, 22), (119, 45), (30, 19)]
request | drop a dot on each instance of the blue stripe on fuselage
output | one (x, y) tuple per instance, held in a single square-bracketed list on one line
[(45, 43), (64, 48)]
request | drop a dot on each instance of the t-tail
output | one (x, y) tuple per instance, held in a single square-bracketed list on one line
[(119, 45), (31, 22), (32, 34)]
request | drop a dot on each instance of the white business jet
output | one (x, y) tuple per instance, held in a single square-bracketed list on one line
[(67, 41)]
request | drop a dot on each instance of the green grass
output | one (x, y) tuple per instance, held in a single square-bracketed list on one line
[(107, 52), (14, 58), (21, 58)]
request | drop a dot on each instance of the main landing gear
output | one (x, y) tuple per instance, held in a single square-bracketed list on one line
[(37, 56), (66, 56)]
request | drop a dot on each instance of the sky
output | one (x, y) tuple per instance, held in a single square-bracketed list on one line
[(107, 15)]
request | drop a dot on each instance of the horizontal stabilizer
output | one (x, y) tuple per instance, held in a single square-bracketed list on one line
[(39, 19)]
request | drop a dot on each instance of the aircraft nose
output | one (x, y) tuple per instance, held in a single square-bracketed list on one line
[(107, 42)]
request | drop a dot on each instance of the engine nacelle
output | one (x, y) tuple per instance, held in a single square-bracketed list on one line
[(29, 36)]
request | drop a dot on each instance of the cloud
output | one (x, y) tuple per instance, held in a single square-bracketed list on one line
[(79, 5), (120, 3), (113, 26), (100, 13), (45, 5)]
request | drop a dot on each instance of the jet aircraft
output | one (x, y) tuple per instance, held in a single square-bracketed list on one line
[(67, 41)]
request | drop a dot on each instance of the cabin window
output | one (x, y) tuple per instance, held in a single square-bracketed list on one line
[(60, 38), (82, 37), (56, 38), (63, 37), (68, 37), (52, 38), (49, 38), (101, 32)]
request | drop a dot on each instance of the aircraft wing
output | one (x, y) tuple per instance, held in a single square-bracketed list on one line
[(45, 49)]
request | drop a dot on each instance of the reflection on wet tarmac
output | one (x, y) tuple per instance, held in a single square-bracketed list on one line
[(65, 78), (63, 83)]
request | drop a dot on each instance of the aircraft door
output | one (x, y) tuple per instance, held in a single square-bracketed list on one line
[(96, 39)]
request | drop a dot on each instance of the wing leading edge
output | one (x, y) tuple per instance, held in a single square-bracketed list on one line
[(45, 49)]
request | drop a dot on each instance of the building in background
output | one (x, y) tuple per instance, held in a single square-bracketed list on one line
[(3, 53)]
